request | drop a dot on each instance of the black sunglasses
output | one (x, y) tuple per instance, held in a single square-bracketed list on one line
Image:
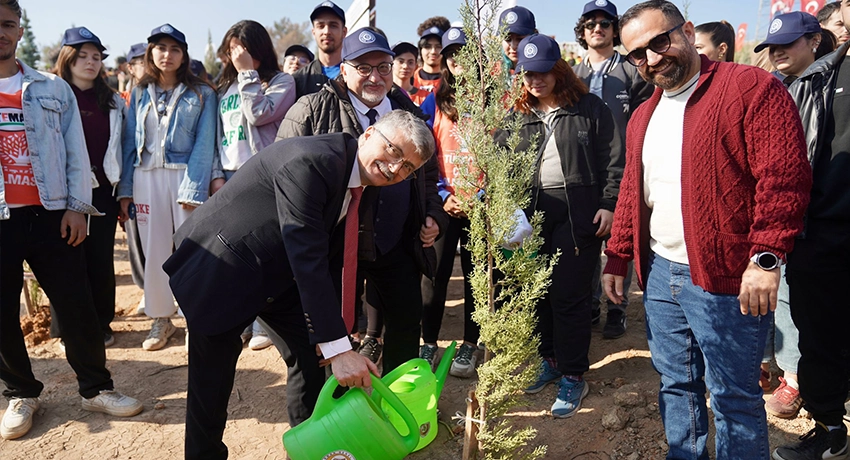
[(659, 44), (605, 24)]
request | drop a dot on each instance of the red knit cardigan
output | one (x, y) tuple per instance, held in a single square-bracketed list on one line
[(746, 180)]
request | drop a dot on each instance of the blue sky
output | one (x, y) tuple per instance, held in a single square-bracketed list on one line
[(121, 23)]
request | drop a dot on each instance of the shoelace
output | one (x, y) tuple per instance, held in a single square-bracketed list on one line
[(428, 353), (785, 393), (19, 406), (157, 327), (464, 355)]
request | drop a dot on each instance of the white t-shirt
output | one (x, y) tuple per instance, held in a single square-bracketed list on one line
[(235, 148), (662, 174)]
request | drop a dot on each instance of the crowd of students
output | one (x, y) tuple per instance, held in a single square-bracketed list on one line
[(173, 137)]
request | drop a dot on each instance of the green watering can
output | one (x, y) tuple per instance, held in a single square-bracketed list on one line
[(352, 427), (418, 389)]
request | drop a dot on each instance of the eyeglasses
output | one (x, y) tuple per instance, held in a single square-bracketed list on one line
[(605, 23), (292, 58), (397, 158), (659, 44), (365, 70)]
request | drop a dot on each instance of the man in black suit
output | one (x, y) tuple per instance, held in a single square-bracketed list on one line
[(269, 245)]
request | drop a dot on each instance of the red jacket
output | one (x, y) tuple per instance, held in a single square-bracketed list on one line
[(745, 177)]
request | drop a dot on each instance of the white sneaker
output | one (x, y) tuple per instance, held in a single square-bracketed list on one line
[(17, 420), (259, 340), (140, 309), (161, 330), (463, 365), (113, 403)]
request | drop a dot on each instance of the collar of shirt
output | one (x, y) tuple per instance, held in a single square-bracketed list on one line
[(383, 108)]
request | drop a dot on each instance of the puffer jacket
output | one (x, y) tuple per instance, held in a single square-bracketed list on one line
[(309, 79), (330, 111)]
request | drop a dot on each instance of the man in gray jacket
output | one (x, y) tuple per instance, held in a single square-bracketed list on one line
[(618, 84)]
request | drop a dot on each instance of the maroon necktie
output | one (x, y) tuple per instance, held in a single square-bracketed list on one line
[(349, 267)]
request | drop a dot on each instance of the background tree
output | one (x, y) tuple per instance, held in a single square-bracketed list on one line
[(211, 64), (506, 287), (286, 33), (28, 50), (49, 55)]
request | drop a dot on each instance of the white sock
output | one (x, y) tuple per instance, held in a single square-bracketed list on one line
[(792, 383)]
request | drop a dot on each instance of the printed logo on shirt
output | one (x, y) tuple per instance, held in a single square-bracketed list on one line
[(11, 119), (231, 115), (18, 178)]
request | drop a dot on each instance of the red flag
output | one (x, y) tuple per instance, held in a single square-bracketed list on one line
[(781, 7), (811, 6), (740, 37)]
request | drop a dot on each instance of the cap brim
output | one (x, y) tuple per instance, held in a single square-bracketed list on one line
[(524, 31), (366, 50), (778, 39), (153, 38), (538, 66)]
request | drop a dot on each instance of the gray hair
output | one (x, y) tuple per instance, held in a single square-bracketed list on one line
[(406, 124)]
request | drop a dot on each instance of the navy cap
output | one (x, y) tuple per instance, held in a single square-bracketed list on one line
[(785, 28), (600, 5), (405, 47), (362, 41), (453, 36), (170, 31), (518, 20), (435, 31), (537, 53), (137, 50), (197, 67), (80, 35), (301, 48), (329, 7)]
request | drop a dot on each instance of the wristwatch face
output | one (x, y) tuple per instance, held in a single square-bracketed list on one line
[(767, 261)]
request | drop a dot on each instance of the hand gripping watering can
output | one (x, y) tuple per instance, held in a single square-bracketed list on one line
[(419, 390), (352, 428)]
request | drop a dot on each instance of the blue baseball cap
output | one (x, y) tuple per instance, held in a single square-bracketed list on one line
[(435, 31), (301, 48), (453, 36), (518, 20), (788, 27), (362, 41), (137, 50), (80, 35), (405, 47), (329, 7), (600, 5), (537, 53), (170, 31)]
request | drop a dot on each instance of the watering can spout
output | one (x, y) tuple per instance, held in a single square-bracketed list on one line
[(443, 369)]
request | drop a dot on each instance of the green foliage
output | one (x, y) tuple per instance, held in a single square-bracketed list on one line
[(285, 33), (210, 64), (28, 50), (505, 289)]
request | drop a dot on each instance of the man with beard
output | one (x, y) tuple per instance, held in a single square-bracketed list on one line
[(406, 218), (714, 191), (328, 31), (609, 77)]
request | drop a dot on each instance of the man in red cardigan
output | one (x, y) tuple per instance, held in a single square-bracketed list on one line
[(714, 191)]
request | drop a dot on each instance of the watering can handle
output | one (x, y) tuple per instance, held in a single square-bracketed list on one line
[(326, 403)]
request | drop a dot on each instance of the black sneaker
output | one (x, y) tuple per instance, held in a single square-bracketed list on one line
[(595, 314), (615, 325), (371, 349), (819, 443)]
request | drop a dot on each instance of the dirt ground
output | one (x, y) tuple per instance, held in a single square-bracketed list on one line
[(619, 418)]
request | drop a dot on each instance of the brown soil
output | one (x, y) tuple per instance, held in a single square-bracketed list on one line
[(619, 418)]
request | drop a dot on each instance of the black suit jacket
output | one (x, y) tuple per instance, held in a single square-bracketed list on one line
[(273, 227)]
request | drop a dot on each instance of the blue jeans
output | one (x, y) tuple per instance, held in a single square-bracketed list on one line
[(783, 339), (698, 340)]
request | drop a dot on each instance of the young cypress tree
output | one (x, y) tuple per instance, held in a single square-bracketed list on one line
[(28, 50), (506, 284)]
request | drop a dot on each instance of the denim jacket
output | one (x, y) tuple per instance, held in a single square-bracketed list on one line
[(189, 141), (57, 146)]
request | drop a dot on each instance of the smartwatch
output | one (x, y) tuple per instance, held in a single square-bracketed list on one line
[(767, 260)]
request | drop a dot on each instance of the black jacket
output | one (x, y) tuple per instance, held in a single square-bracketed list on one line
[(271, 228), (623, 89), (330, 111), (309, 79)]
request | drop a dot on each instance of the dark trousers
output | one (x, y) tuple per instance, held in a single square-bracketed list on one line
[(564, 314), (392, 286), (135, 253), (212, 368), (99, 248), (817, 276), (31, 234), (434, 293)]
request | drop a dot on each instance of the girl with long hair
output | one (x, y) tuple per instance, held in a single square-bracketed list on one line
[(716, 40), (443, 119), (169, 146), (577, 176), (80, 63), (253, 97)]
